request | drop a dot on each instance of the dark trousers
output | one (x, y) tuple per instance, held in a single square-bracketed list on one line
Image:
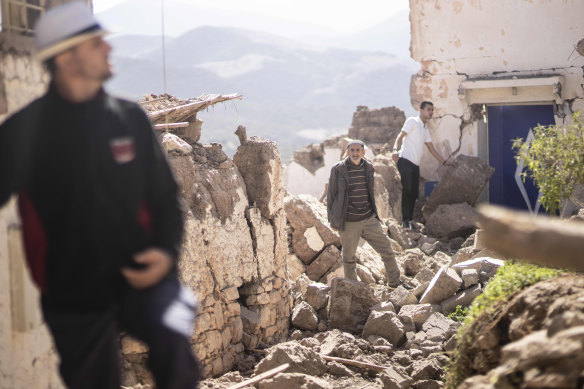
[(410, 180), (161, 316)]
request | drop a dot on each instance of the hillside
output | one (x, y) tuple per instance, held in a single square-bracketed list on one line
[(292, 94)]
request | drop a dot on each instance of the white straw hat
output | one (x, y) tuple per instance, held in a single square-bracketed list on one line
[(63, 27)]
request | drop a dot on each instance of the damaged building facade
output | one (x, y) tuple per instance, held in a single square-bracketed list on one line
[(494, 70)]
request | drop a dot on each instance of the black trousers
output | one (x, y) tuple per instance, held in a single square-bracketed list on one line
[(410, 180), (161, 316)]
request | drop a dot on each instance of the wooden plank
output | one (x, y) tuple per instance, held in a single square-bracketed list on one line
[(163, 126), (540, 240), (260, 377)]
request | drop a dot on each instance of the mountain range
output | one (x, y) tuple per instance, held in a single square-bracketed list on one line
[(293, 93)]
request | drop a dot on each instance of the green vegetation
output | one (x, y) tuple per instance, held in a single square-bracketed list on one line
[(510, 279), (554, 159), (459, 314)]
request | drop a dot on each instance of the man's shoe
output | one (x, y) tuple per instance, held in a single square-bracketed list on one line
[(406, 225)]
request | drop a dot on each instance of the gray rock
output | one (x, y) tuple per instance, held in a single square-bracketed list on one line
[(386, 325), (349, 304), (258, 161), (411, 265), (439, 327), (469, 277), (304, 317), (461, 183), (444, 284), (323, 263), (317, 295), (463, 298), (419, 313), (426, 369), (301, 359), (401, 296), (450, 221), (393, 378)]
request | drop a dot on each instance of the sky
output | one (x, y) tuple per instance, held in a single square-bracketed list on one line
[(339, 16)]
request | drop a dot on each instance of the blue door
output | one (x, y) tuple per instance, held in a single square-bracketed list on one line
[(506, 123)]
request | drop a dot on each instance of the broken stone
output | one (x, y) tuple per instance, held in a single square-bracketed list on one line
[(401, 296), (452, 220), (258, 161), (486, 265), (462, 183), (419, 313), (338, 369), (392, 378), (428, 248), (301, 359), (385, 324), (376, 125), (444, 284), (411, 265), (310, 157), (428, 369), (387, 174), (323, 263), (463, 298), (365, 274), (304, 317), (349, 304), (175, 145), (383, 307), (317, 295), (305, 211), (295, 266), (469, 277), (440, 328), (397, 233)]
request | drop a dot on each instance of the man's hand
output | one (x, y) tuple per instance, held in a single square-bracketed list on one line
[(158, 263), (395, 156)]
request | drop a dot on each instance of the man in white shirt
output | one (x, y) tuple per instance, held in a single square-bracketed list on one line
[(407, 152)]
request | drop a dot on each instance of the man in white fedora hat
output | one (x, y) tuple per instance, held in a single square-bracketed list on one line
[(100, 214)]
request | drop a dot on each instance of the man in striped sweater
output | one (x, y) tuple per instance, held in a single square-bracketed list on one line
[(352, 212)]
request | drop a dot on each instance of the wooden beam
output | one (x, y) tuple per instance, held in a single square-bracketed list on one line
[(163, 126), (260, 377), (540, 240)]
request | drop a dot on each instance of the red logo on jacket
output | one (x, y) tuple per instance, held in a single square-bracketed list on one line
[(123, 149)]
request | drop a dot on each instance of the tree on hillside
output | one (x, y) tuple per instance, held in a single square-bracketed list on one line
[(554, 159)]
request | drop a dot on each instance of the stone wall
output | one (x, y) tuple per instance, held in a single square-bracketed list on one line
[(234, 252), (500, 41)]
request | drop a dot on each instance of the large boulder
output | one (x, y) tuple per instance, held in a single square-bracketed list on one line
[(350, 303), (462, 183), (258, 161), (452, 220)]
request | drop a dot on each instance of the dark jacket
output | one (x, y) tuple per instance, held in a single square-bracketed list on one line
[(338, 192), (94, 189)]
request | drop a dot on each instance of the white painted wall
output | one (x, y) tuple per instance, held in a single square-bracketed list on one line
[(456, 40)]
